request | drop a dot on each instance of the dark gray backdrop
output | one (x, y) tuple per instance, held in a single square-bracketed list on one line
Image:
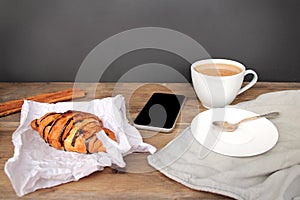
[(48, 40)]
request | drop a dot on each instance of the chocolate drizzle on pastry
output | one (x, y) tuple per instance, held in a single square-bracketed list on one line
[(72, 131), (63, 130)]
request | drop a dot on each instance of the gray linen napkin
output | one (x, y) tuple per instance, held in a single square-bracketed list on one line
[(271, 175)]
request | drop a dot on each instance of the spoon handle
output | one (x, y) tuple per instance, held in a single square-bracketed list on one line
[(272, 114)]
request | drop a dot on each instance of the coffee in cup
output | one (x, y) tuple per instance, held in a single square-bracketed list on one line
[(218, 69), (218, 81)]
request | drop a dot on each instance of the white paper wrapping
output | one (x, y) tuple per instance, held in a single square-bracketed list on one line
[(36, 165)]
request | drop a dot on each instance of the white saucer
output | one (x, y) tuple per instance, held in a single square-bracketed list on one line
[(251, 138)]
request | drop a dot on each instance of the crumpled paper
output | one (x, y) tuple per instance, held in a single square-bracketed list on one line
[(36, 165)]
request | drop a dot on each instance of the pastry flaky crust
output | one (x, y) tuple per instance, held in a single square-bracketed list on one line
[(72, 131)]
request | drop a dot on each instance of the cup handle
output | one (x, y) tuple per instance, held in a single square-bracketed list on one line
[(251, 83)]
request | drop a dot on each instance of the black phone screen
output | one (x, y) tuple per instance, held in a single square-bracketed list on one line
[(161, 110)]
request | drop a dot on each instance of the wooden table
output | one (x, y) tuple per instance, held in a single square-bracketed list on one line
[(139, 180)]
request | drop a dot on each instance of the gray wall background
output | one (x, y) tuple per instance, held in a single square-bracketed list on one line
[(48, 40)]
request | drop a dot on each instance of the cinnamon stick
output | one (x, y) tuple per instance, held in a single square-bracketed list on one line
[(14, 106)]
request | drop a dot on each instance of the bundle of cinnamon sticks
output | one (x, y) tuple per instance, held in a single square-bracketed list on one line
[(14, 106)]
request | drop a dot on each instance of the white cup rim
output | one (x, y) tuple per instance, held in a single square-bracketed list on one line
[(218, 61)]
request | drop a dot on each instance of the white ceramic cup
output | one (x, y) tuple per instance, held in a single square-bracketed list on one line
[(219, 91)]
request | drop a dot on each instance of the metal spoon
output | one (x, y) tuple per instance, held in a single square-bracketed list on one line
[(229, 127)]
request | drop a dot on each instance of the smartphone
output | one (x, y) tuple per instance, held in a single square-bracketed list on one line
[(160, 113)]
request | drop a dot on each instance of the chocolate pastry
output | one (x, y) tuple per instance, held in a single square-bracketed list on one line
[(72, 131)]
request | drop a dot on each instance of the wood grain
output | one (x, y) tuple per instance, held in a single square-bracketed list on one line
[(140, 180)]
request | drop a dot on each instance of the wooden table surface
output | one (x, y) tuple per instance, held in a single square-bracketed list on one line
[(139, 180)]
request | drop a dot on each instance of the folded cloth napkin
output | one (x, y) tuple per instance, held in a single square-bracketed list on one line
[(271, 175), (36, 165)]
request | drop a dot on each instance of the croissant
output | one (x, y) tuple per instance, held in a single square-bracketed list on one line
[(72, 131)]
